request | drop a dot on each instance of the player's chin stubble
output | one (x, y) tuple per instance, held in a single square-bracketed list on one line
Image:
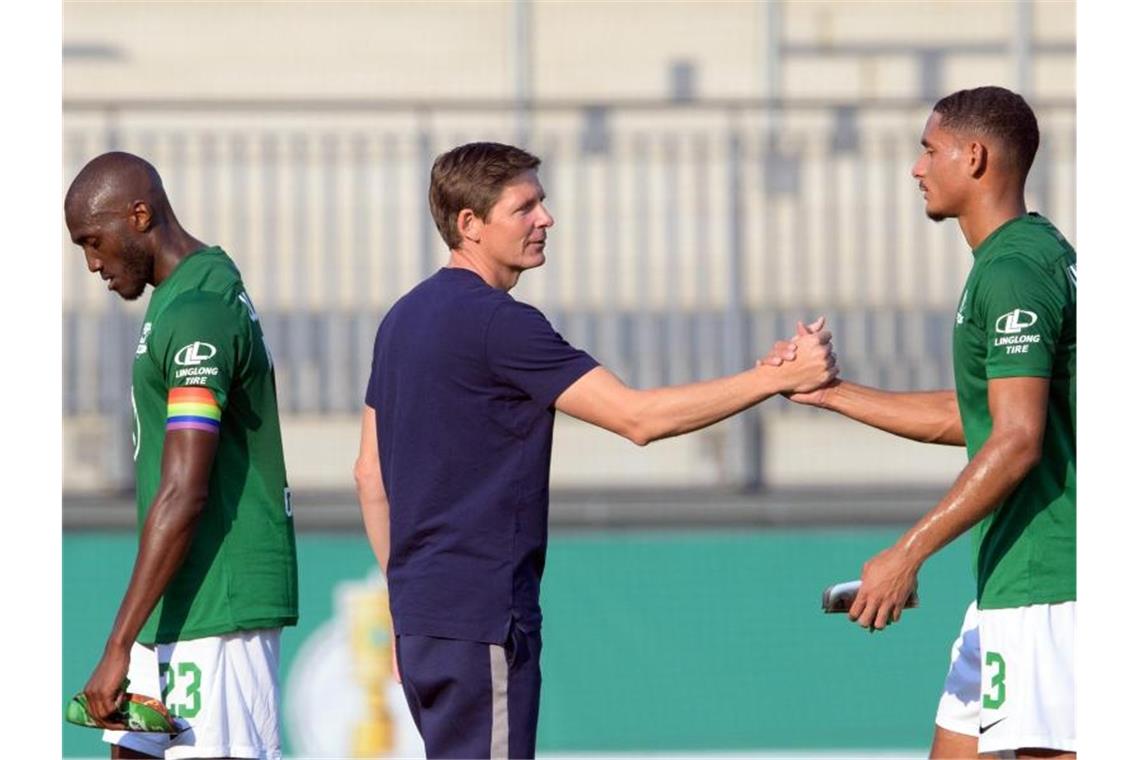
[(138, 268)]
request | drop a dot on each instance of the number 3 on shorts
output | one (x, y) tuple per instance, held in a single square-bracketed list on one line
[(997, 683), (190, 708)]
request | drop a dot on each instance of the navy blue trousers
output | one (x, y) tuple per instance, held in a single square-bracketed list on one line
[(471, 699)]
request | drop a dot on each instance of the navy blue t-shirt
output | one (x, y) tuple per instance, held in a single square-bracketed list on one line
[(464, 380)]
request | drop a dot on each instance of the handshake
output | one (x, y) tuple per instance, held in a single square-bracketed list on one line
[(805, 365)]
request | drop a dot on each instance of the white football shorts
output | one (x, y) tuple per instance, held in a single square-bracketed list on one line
[(1011, 681), (222, 690), (960, 704), (1028, 678)]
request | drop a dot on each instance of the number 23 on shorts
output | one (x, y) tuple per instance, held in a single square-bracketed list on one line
[(187, 677)]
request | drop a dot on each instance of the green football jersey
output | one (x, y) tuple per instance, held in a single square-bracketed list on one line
[(202, 363), (1018, 318)]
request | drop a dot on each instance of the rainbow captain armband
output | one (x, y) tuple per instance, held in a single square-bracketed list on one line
[(193, 409)]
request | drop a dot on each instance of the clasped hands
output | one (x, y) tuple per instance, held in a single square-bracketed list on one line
[(807, 362)]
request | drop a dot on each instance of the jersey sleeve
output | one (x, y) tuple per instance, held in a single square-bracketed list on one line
[(372, 392), (1021, 309), (525, 351), (198, 342)]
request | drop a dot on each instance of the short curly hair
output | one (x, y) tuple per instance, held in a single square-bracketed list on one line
[(472, 176), (996, 112)]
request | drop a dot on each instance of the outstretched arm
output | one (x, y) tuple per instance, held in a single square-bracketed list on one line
[(187, 457), (1018, 407), (644, 416), (924, 416)]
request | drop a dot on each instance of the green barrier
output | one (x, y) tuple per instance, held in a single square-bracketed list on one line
[(695, 641)]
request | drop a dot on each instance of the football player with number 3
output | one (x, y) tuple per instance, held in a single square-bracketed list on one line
[(1011, 681), (215, 577)]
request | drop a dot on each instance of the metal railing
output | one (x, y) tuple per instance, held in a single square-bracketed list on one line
[(687, 237)]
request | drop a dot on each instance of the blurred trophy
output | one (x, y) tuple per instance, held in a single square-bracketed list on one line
[(365, 606)]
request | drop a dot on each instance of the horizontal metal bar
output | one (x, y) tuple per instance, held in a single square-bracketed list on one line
[(92, 51), (866, 49), (591, 509), (426, 106)]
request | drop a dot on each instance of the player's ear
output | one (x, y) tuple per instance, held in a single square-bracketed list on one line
[(140, 217), (979, 156), (470, 226)]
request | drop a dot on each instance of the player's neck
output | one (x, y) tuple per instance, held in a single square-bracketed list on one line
[(497, 277), (174, 244), (979, 222)]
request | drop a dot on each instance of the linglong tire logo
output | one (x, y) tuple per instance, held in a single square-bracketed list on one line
[(1015, 321), (194, 354)]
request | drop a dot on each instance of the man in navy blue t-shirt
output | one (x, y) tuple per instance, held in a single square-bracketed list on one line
[(454, 466)]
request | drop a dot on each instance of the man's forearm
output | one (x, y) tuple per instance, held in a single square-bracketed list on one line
[(925, 416), (374, 512), (166, 537), (370, 489), (987, 480), (675, 410), (643, 416)]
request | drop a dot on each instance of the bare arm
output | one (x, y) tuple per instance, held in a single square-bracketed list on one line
[(187, 457), (644, 416), (1018, 406), (370, 489), (925, 416), (374, 503)]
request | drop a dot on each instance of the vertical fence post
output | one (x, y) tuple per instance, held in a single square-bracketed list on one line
[(423, 174), (522, 64), (1022, 44), (298, 338), (743, 454), (673, 343), (774, 39), (330, 317), (115, 388), (612, 310), (643, 354)]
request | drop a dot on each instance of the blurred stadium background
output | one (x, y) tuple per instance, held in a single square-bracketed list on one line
[(717, 170)]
